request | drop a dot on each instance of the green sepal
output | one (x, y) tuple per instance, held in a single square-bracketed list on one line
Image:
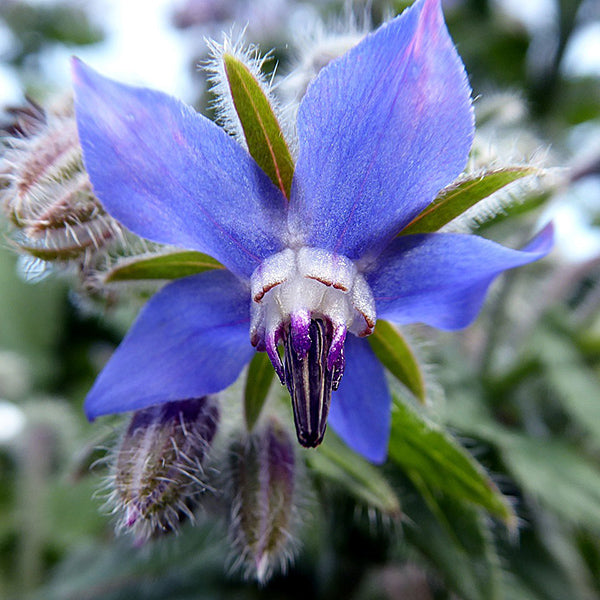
[(262, 131), (393, 351), (432, 459), (258, 382), (51, 254), (335, 461), (455, 200), (164, 266), (529, 203)]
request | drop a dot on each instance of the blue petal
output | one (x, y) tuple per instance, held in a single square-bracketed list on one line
[(360, 409), (381, 131), (172, 176), (190, 340), (441, 279)]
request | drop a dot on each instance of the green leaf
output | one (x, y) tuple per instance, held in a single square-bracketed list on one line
[(513, 587), (258, 382), (570, 378), (179, 567), (453, 201), (31, 323), (432, 458), (397, 356), (554, 473), (558, 476), (165, 266), (263, 134), (337, 462), (543, 565), (455, 538)]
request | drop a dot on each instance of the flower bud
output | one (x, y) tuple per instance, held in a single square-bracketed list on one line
[(157, 471), (44, 188), (316, 45), (264, 498)]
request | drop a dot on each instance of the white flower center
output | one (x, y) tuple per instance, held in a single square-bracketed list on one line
[(308, 299), (313, 280)]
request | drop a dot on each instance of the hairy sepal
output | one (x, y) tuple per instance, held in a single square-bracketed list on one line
[(456, 199), (261, 128), (169, 265)]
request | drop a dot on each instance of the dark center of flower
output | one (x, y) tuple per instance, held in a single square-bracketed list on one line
[(310, 377)]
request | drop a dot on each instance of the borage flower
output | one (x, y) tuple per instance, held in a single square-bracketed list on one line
[(380, 131)]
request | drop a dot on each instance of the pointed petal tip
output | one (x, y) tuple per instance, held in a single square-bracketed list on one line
[(76, 62), (86, 84), (80, 71), (91, 409), (431, 8), (430, 12), (377, 456), (374, 450), (543, 242), (89, 414), (93, 406), (91, 87), (77, 73)]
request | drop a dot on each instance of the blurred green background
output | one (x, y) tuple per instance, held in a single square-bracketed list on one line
[(519, 389)]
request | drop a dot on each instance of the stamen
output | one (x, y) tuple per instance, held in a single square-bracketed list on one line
[(310, 382), (300, 332), (336, 360), (309, 299), (271, 342)]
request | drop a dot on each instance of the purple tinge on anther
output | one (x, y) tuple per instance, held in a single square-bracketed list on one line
[(310, 382), (335, 359), (300, 332)]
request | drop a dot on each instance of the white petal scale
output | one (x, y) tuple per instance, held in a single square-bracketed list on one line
[(324, 284)]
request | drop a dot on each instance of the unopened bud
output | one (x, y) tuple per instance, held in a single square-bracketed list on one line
[(263, 510), (45, 190), (157, 473), (319, 44), (26, 120)]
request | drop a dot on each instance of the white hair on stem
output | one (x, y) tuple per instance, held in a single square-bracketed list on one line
[(249, 55)]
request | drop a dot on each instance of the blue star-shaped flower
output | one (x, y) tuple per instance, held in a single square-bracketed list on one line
[(380, 131)]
